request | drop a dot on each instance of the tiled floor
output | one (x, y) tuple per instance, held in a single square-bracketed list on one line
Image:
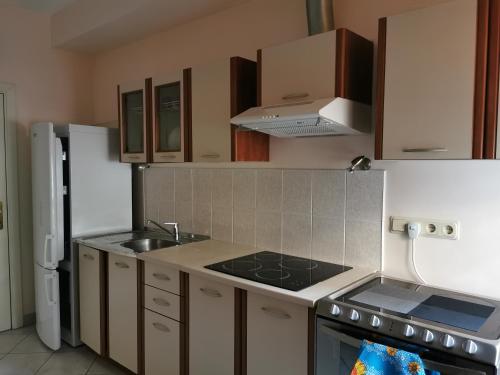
[(22, 353)]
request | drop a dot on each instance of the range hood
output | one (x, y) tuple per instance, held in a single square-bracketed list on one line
[(329, 116)]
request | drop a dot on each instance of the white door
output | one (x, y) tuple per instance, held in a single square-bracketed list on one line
[(5, 319)]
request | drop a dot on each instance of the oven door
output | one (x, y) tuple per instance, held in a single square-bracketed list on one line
[(337, 349)]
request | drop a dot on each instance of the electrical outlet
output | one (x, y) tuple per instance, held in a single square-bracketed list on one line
[(443, 229)]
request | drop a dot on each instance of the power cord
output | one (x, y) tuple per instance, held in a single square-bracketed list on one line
[(414, 230)]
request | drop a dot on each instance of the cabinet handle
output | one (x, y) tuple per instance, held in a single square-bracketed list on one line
[(161, 302), (210, 156), (167, 156), (211, 292), (121, 265), (300, 95), (161, 327), (428, 149), (133, 157), (161, 276), (88, 256), (276, 313)]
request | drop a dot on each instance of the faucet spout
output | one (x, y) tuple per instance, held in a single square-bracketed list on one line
[(174, 233)]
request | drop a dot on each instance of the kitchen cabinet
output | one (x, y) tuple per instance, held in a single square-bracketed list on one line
[(277, 337), (212, 327), (432, 82), (123, 311), (161, 344), (134, 104), (170, 134), (332, 64), (92, 284), (221, 90)]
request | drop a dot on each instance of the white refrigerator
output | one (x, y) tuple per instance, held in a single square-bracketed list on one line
[(79, 189)]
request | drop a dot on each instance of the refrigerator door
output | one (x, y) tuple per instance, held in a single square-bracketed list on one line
[(48, 321), (48, 245)]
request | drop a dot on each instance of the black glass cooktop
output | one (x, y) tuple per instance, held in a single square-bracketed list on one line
[(280, 270)]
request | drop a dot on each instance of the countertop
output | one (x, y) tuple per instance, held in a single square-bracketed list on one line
[(192, 258)]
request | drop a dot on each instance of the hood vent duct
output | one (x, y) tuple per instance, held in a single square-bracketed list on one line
[(319, 16)]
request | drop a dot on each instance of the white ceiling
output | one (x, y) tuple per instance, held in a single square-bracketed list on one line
[(45, 6), (97, 25)]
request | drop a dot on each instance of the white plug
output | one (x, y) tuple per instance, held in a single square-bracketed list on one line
[(414, 230)]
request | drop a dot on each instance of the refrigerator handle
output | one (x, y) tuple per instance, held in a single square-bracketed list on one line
[(52, 287), (48, 237)]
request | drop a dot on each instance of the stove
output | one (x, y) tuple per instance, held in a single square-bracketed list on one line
[(454, 332), (279, 270)]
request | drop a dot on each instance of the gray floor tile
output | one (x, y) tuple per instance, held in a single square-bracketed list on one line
[(31, 344), (104, 367), (24, 331), (75, 362), (22, 364), (8, 342)]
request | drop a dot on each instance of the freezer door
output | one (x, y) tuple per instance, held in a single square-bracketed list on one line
[(46, 152), (48, 321)]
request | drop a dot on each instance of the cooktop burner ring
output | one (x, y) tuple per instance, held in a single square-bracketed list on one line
[(299, 264), (242, 265), (268, 257), (272, 274)]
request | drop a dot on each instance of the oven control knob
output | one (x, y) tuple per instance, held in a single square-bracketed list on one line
[(335, 311), (375, 321), (427, 336), (354, 315), (470, 347), (448, 341), (408, 331)]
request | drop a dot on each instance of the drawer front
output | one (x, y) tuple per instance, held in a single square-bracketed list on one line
[(90, 297), (122, 277), (162, 277), (162, 302), (161, 344)]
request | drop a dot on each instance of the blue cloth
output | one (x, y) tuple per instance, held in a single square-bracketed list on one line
[(376, 359)]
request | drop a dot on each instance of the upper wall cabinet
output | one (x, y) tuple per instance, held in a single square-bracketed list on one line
[(432, 82), (133, 109), (169, 133), (221, 90), (332, 64)]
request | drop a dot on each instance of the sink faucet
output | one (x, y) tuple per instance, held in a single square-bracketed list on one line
[(174, 233)]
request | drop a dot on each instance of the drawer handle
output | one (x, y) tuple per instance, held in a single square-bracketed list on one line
[(428, 149), (88, 256), (133, 157), (161, 327), (211, 292), (276, 313), (210, 156), (161, 302), (167, 156), (121, 265), (161, 276), (300, 95)]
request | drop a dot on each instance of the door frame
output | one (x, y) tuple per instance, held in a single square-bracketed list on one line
[(13, 217)]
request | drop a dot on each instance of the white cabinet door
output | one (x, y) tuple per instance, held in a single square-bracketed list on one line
[(161, 345), (429, 82), (211, 330), (90, 297), (122, 275), (277, 334), (300, 70), (211, 112)]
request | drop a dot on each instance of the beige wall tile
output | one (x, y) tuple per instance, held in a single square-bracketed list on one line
[(328, 193), (244, 227), (184, 216), (363, 244), (268, 230), (222, 188), (222, 223), (202, 219), (244, 186), (328, 239), (364, 196), (297, 192), (269, 189), (297, 235), (202, 186), (159, 184), (183, 185)]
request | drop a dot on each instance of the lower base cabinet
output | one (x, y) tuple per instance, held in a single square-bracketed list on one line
[(277, 337), (211, 327), (161, 344)]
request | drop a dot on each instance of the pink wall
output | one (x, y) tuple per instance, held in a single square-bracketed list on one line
[(51, 85)]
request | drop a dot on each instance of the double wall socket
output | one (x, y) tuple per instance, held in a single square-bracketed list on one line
[(443, 229)]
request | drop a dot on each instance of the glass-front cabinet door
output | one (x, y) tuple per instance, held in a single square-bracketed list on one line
[(133, 109), (168, 128)]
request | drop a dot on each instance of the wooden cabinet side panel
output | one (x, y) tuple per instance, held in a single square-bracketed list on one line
[(122, 310), (90, 297)]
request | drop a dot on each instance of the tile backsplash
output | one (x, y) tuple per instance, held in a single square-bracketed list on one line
[(328, 215)]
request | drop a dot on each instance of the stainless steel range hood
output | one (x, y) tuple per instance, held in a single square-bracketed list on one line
[(330, 116)]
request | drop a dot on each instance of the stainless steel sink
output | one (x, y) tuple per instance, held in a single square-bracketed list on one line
[(148, 244)]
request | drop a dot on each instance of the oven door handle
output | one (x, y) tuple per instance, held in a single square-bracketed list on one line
[(428, 364)]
